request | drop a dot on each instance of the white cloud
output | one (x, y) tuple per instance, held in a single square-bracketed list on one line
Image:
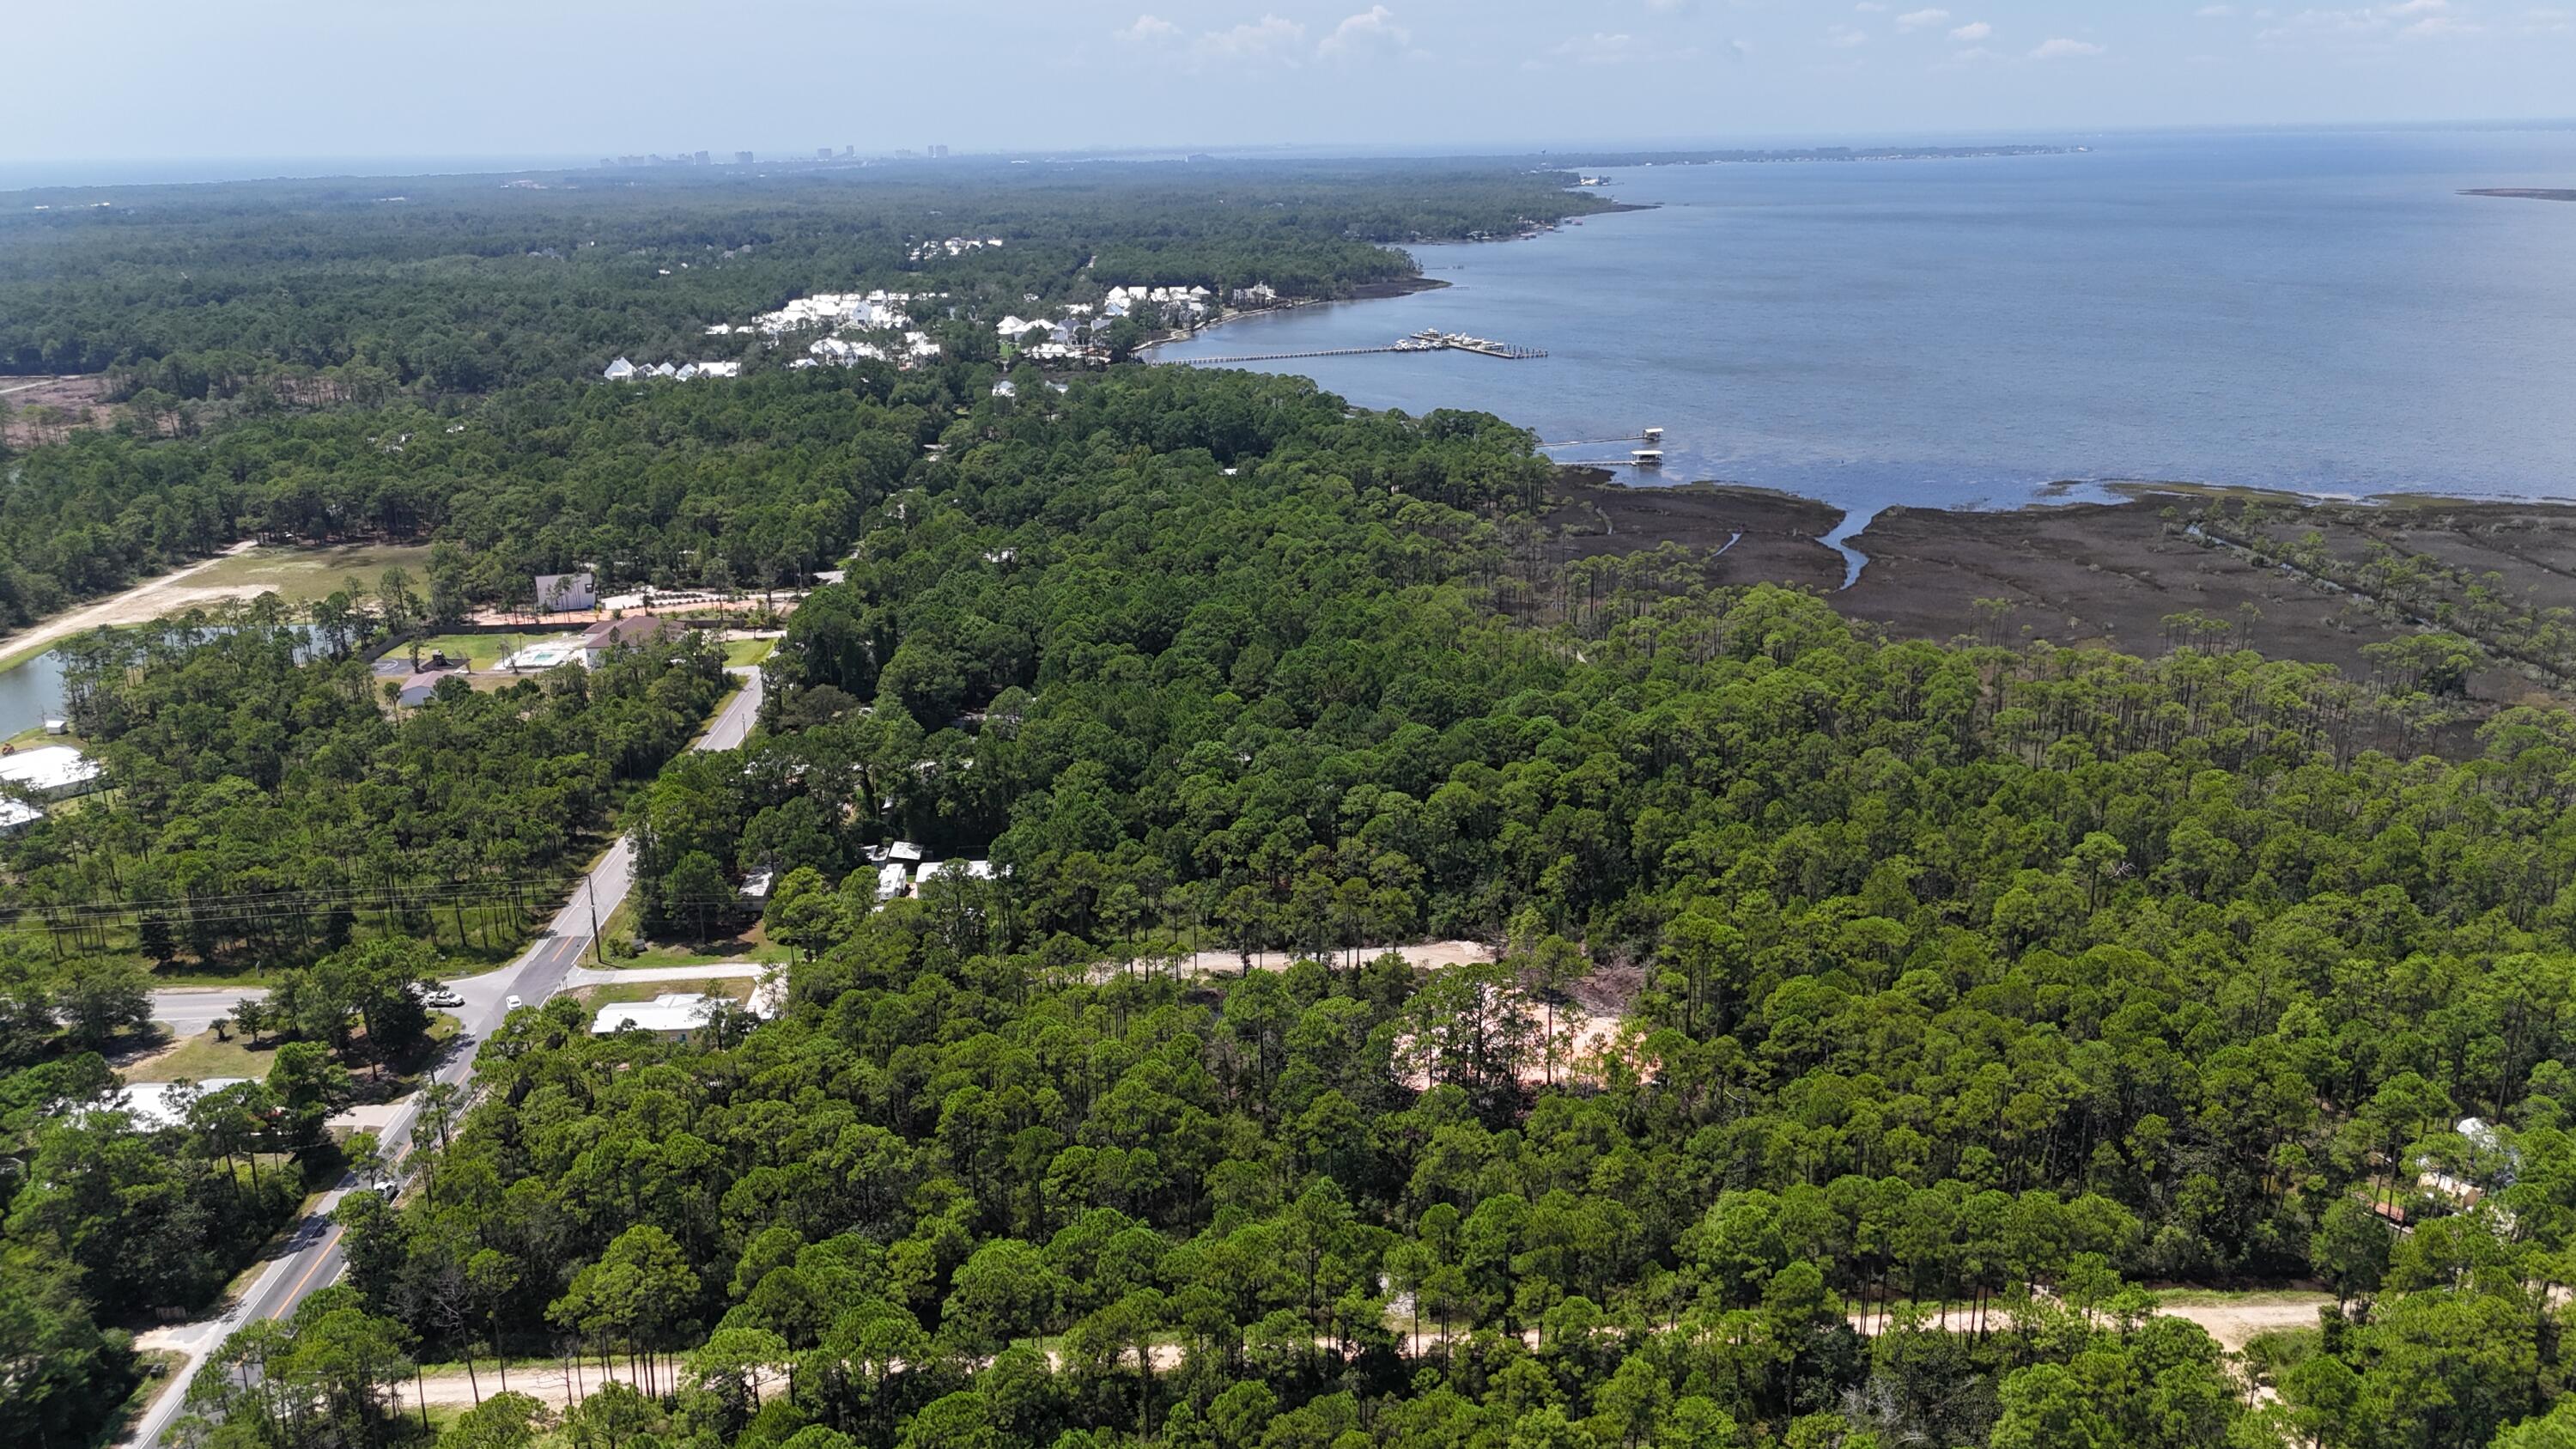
[(2370, 25), (1602, 48), (1254, 40), (1972, 32), (1845, 37), (1149, 30), (1371, 30), (2061, 48), (1921, 19)]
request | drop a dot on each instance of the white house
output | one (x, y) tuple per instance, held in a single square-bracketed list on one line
[(892, 880), (155, 1105), (51, 772), (567, 593), (672, 1016), (619, 371)]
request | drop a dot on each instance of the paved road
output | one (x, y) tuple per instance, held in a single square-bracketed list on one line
[(312, 1259)]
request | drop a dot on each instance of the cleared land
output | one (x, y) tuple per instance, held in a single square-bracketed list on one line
[(621, 993), (246, 570), (45, 409)]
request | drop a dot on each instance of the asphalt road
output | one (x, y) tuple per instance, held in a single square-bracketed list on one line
[(312, 1259)]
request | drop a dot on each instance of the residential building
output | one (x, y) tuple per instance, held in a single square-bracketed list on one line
[(671, 1016), (422, 687), (50, 772), (631, 632)]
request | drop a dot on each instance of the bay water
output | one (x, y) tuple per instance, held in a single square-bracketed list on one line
[(2321, 312)]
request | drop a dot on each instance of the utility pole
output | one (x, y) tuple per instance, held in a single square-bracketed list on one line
[(590, 892)]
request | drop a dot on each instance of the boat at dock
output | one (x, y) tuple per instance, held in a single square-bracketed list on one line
[(1429, 339)]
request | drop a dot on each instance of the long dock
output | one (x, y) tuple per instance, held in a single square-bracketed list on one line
[(1424, 341)]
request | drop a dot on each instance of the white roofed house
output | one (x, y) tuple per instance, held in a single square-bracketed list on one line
[(619, 371), (672, 1016), (49, 772), (893, 879)]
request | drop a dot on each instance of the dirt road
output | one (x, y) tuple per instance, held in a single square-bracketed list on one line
[(167, 594)]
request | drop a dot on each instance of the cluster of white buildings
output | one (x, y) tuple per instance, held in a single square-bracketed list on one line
[(955, 246), (842, 352), (901, 871), (624, 371), (879, 311), (1196, 301)]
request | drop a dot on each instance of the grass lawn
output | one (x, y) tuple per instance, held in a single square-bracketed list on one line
[(201, 1058), (753, 947), (741, 652), (301, 575), (626, 992), (34, 734), (2230, 1298)]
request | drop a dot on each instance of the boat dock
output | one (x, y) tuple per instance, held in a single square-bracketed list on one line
[(1425, 340)]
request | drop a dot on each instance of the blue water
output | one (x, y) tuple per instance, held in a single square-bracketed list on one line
[(2307, 311), (30, 693)]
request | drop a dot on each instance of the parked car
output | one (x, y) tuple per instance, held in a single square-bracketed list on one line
[(441, 996)]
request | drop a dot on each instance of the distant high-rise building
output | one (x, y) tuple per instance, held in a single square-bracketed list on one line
[(702, 158), (937, 152), (742, 158), (822, 153)]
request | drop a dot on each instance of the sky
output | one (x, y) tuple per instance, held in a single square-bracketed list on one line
[(126, 81)]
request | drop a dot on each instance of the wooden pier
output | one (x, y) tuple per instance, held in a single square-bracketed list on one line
[(1423, 341)]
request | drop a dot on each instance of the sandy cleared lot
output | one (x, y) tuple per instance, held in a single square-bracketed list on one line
[(245, 570)]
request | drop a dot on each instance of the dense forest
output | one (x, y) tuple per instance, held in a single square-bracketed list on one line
[(243, 308), (264, 797), (460, 284), (1967, 987), (752, 486), (1866, 1021)]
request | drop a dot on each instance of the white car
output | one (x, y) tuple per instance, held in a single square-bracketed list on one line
[(512, 1004), (441, 996)]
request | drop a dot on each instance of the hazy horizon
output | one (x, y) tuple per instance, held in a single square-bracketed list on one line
[(501, 86), (186, 170)]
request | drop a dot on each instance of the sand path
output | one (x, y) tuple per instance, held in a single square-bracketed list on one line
[(167, 594)]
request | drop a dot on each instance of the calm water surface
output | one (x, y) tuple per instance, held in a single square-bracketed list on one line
[(2316, 312)]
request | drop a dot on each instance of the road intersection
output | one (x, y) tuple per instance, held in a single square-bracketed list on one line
[(312, 1256)]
